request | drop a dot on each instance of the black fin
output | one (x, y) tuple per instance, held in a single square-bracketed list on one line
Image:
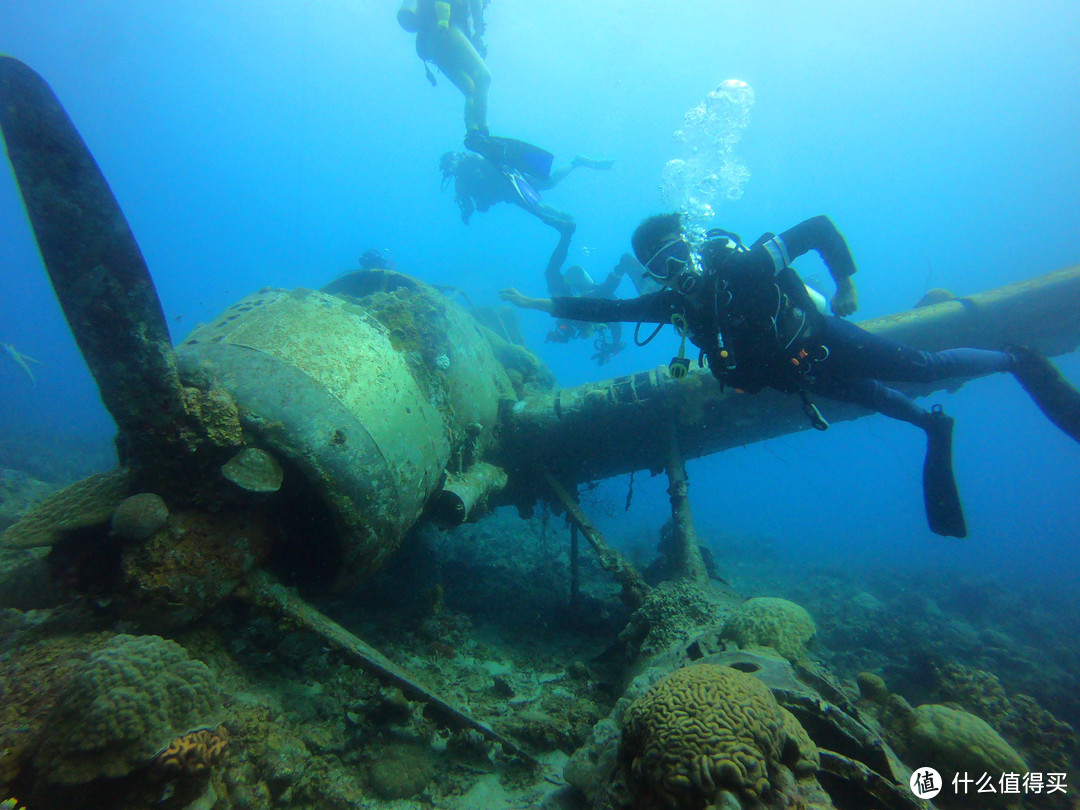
[(943, 510), (1049, 389), (524, 157)]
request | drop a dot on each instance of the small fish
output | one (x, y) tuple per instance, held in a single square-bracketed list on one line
[(21, 360)]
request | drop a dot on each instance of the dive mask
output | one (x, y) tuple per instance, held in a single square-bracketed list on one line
[(670, 261)]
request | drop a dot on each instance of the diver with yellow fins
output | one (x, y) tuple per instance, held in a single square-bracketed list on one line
[(450, 34)]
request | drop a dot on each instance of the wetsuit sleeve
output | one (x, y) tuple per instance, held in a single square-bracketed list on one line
[(652, 308), (556, 283), (818, 233)]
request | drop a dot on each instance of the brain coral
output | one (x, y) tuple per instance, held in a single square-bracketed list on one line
[(125, 704), (765, 621), (956, 740), (704, 729)]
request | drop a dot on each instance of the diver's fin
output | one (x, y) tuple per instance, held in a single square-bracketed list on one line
[(528, 195), (943, 510), (601, 165), (524, 157), (1049, 389)]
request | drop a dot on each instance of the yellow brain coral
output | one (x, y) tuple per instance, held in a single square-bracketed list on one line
[(766, 621), (706, 728), (194, 753)]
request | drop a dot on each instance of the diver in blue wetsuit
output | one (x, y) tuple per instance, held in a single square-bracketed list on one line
[(758, 326)]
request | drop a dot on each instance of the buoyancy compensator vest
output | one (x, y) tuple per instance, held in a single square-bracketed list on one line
[(765, 321)]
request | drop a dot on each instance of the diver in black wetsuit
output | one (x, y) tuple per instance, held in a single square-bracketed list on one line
[(606, 337), (514, 172), (480, 184), (758, 326)]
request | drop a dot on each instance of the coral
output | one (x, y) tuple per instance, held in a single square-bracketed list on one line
[(138, 517), (1048, 743), (195, 753), (401, 771), (18, 494), (955, 740), (800, 754), (872, 687), (179, 574), (216, 412), (254, 470), (122, 706), (766, 621), (669, 613), (89, 502), (705, 729)]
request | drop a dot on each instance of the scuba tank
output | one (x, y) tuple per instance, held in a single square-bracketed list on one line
[(408, 16)]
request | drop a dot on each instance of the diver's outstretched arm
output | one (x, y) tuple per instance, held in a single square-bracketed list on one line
[(512, 296)]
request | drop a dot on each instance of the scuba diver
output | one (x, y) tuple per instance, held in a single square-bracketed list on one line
[(375, 266), (513, 175), (757, 325), (375, 259), (481, 182), (607, 337), (450, 33)]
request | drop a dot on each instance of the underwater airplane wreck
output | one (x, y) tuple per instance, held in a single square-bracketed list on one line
[(299, 437)]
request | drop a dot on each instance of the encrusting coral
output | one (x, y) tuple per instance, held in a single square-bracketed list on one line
[(85, 503), (705, 729)]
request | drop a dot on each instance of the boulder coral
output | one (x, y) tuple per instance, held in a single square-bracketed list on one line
[(957, 741), (706, 729), (766, 621), (123, 705), (139, 516)]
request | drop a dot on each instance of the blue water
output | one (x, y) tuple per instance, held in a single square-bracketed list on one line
[(267, 142)]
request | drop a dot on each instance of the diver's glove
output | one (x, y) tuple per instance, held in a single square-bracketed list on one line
[(846, 300)]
